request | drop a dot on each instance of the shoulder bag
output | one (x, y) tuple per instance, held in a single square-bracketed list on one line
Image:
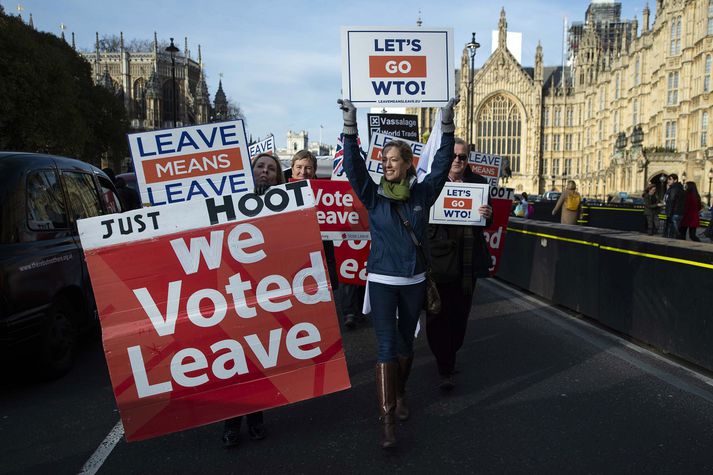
[(433, 300)]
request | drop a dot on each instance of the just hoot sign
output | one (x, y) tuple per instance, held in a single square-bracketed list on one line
[(405, 67)]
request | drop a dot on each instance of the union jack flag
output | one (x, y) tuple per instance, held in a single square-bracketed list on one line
[(338, 162)]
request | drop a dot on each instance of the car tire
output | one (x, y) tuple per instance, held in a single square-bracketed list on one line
[(59, 339)]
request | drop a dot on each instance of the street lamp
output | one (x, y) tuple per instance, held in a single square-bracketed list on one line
[(710, 179), (662, 179), (684, 177), (172, 50), (472, 48), (553, 181)]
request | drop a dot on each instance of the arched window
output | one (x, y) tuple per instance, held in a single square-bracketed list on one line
[(707, 75), (709, 29), (499, 127)]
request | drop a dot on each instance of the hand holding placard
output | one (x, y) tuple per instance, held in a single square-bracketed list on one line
[(349, 113)]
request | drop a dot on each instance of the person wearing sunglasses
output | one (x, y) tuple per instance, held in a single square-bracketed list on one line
[(466, 246)]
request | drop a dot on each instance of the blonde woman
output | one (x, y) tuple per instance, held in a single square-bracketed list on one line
[(570, 202)]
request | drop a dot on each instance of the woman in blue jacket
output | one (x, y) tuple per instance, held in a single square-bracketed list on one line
[(396, 276)]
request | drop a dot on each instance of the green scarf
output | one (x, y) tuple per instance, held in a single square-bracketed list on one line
[(396, 191)]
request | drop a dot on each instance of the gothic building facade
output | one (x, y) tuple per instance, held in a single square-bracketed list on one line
[(144, 82), (632, 104)]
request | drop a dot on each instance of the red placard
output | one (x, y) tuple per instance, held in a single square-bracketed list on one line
[(351, 259), (495, 233), (213, 322), (340, 214)]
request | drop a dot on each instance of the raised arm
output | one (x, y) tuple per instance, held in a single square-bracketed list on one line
[(354, 166), (436, 179)]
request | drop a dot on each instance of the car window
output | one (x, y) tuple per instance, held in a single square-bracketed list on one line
[(111, 201), (83, 199), (45, 203)]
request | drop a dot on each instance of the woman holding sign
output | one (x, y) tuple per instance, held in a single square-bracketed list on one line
[(396, 276), (267, 172), (459, 255)]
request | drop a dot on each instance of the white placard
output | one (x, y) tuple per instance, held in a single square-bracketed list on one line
[(401, 67), (458, 204), (197, 162), (264, 146), (488, 166), (150, 223)]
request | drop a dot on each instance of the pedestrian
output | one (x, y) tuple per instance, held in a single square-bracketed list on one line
[(398, 208), (267, 172), (691, 209), (651, 208), (674, 203), (464, 255), (570, 202)]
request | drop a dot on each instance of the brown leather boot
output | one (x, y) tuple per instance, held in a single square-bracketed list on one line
[(402, 410), (386, 374)]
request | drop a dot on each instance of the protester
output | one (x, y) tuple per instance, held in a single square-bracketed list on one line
[(570, 202), (267, 172), (396, 275), (651, 209), (522, 208), (674, 202), (304, 167), (691, 207), (465, 247)]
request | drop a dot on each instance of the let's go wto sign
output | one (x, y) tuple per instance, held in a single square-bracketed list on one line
[(397, 66)]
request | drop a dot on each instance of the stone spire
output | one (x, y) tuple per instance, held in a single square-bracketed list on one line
[(539, 71), (74, 45), (62, 27), (121, 41), (220, 104), (419, 22), (645, 19), (502, 30), (31, 23)]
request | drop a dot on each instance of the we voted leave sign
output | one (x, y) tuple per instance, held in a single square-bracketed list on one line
[(458, 204), (185, 163), (398, 66), (214, 308)]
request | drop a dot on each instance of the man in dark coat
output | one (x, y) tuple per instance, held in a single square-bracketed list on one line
[(674, 203)]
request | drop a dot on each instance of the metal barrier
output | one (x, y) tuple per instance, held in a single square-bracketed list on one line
[(658, 291)]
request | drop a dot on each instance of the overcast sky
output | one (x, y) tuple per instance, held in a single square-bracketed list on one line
[(281, 60)]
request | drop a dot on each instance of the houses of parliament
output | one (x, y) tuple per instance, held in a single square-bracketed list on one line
[(632, 103), (144, 82)]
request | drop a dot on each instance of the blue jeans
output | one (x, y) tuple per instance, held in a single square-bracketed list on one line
[(395, 338), (673, 224)]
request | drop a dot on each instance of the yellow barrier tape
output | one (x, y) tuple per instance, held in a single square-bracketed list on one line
[(552, 236), (615, 249), (659, 257)]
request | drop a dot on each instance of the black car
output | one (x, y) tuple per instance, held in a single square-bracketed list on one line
[(45, 295)]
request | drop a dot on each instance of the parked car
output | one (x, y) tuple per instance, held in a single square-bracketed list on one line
[(551, 196), (46, 299)]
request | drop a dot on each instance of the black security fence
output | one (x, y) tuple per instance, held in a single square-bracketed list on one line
[(617, 216), (658, 291)]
